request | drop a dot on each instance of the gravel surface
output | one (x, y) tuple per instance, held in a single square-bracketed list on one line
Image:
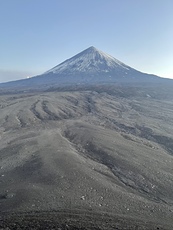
[(106, 150)]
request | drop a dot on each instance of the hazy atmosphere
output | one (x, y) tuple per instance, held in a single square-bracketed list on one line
[(37, 35)]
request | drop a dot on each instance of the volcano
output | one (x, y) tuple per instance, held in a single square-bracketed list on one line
[(91, 66)]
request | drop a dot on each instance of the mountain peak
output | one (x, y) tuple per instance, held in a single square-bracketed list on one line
[(90, 61), (91, 66), (92, 48)]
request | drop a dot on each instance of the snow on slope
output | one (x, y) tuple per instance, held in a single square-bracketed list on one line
[(89, 60)]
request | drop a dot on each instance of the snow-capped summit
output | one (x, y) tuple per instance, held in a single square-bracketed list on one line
[(91, 66), (94, 66), (90, 60)]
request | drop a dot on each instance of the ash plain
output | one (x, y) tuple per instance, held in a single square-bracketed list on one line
[(97, 157)]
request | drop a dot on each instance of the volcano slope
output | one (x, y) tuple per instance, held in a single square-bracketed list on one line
[(87, 159)]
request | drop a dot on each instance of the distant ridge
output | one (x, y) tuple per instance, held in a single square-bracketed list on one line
[(90, 66)]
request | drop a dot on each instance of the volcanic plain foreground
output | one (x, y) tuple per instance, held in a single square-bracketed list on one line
[(86, 160)]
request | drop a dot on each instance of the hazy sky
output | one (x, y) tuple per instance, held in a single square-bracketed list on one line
[(36, 35)]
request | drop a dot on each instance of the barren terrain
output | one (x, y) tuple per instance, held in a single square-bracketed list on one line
[(104, 155)]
